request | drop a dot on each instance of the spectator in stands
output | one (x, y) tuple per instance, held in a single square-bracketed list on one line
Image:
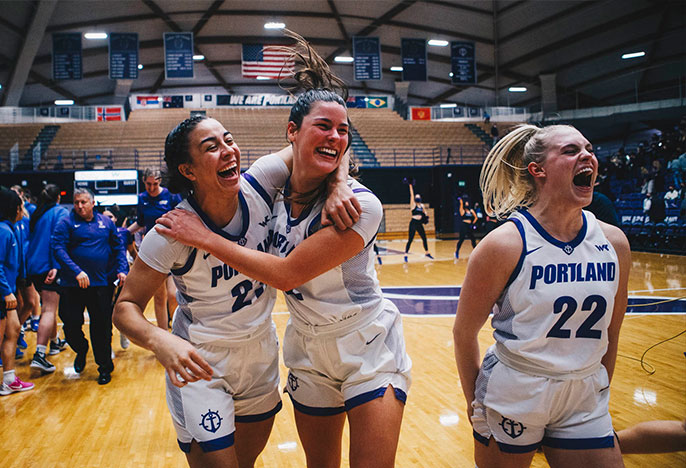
[(83, 244), (647, 202), (487, 117), (468, 221), (42, 268), (656, 211), (417, 220), (11, 212), (672, 193), (494, 134), (153, 203)]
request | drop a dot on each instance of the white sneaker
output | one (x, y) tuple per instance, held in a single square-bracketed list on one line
[(123, 341)]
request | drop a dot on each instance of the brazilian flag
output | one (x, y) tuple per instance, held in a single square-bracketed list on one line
[(377, 102)]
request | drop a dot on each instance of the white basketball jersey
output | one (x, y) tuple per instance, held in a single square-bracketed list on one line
[(553, 315), (350, 290), (216, 302)]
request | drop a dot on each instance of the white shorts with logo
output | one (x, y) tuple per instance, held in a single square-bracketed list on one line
[(522, 411), (337, 369), (244, 388)]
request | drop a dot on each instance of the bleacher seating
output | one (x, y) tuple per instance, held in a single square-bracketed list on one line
[(24, 134), (397, 219)]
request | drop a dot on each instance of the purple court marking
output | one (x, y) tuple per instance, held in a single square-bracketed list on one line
[(442, 300)]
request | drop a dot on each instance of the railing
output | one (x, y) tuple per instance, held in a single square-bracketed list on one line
[(133, 158)]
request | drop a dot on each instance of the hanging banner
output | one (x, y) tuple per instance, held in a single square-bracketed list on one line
[(367, 54), (123, 56), (178, 55), (66, 56), (413, 52), (463, 62)]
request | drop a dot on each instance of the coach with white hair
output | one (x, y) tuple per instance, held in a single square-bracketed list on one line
[(83, 244)]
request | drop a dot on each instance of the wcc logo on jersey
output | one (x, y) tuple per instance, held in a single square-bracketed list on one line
[(603, 248), (211, 421)]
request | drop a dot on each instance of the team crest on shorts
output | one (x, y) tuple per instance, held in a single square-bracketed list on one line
[(292, 382), (512, 428), (211, 421)]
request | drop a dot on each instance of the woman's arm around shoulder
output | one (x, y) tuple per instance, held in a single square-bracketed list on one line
[(623, 250), (489, 268)]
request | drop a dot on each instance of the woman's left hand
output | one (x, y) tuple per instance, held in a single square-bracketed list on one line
[(183, 226)]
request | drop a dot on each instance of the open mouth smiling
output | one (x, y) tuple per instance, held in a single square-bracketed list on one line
[(228, 171), (583, 177), (329, 152)]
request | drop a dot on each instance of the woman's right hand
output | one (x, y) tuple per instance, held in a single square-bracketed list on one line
[(180, 359), (50, 277)]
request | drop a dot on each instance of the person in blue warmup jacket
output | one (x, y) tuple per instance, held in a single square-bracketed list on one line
[(42, 268), (83, 244), (153, 203), (11, 212)]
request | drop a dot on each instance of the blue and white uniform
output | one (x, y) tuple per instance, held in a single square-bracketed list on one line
[(344, 342), (226, 316), (543, 380)]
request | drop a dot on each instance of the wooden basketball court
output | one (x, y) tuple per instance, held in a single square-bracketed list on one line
[(69, 420)]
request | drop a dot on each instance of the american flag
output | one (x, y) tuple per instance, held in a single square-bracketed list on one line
[(266, 60)]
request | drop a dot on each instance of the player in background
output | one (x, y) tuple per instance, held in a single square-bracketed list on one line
[(153, 203), (43, 268), (556, 280), (344, 344), (418, 216)]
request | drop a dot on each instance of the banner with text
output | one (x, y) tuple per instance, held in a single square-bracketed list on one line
[(463, 62), (413, 53), (123, 56), (178, 55), (66, 56), (367, 54)]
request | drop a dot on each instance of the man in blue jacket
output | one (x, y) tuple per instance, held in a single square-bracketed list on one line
[(83, 243)]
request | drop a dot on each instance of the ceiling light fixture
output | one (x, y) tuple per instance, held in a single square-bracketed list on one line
[(140, 66), (438, 42), (274, 25), (263, 78), (344, 59), (198, 57), (396, 69), (633, 55), (95, 35), (64, 102), (449, 105), (517, 89)]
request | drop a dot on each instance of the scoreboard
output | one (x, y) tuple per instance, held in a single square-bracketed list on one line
[(110, 187)]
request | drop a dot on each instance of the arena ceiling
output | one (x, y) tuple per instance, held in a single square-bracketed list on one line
[(579, 41)]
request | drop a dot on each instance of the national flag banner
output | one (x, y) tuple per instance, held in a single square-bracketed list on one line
[(269, 61), (148, 100), (421, 113), (108, 114), (375, 102)]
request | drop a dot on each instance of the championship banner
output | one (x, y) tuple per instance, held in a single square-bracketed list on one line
[(413, 53), (178, 55), (367, 54), (463, 62), (123, 56), (66, 56), (421, 113)]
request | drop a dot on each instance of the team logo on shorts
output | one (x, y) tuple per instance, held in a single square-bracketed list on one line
[(512, 428), (292, 382), (568, 249), (211, 421)]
